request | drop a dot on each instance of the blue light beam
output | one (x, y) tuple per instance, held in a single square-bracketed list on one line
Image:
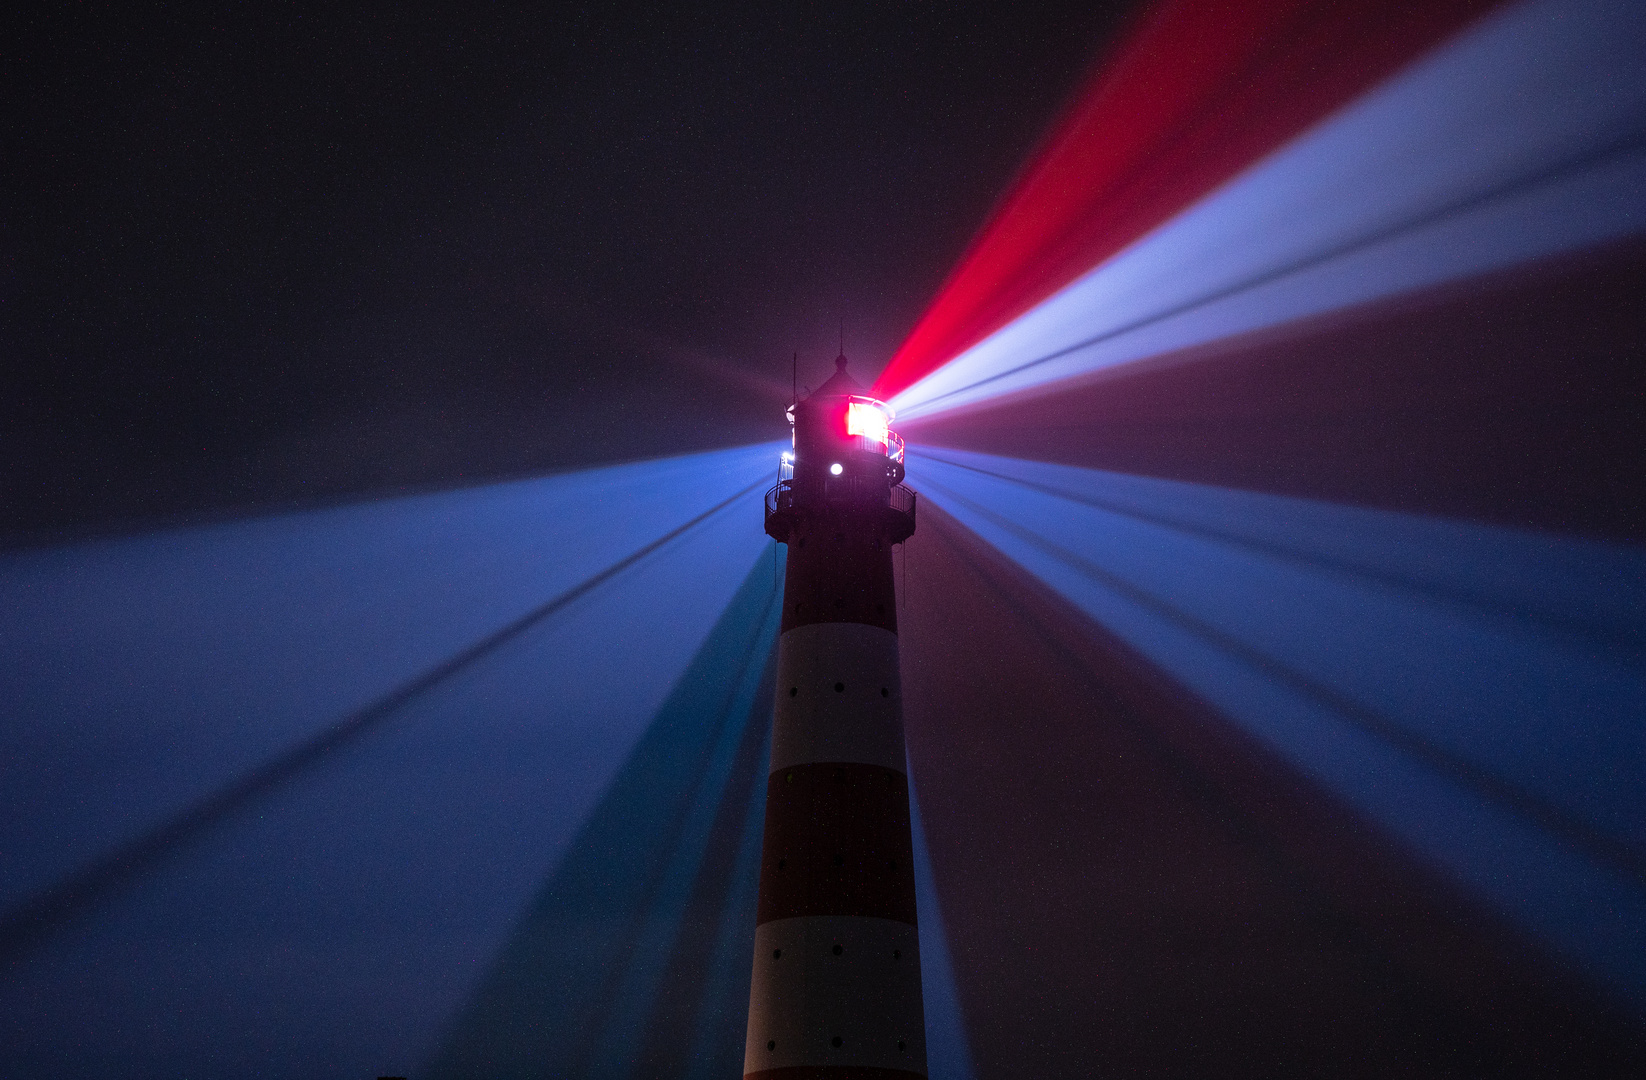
[(334, 924), (1474, 691)]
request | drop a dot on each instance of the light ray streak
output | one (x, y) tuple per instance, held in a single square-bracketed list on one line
[(375, 849), (1508, 752), (47, 910), (1190, 98), (949, 1055), (147, 673), (611, 1047), (1519, 140), (1567, 586)]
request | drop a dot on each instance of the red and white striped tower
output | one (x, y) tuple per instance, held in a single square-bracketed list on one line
[(836, 989)]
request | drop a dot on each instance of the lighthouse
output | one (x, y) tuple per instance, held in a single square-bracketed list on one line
[(836, 987)]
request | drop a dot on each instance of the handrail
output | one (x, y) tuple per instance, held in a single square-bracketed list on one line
[(895, 505), (841, 490), (892, 448)]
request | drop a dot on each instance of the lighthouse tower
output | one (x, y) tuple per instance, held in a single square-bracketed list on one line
[(836, 988)]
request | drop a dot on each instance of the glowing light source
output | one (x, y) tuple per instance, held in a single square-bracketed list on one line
[(869, 419), (836, 469)]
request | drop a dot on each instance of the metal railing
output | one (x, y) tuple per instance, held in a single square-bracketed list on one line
[(840, 492)]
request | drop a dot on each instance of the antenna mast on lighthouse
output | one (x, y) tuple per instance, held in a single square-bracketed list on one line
[(836, 988)]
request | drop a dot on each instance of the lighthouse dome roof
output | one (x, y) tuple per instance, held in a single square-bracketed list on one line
[(839, 384)]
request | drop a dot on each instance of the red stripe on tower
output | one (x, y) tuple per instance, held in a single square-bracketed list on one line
[(1196, 93), (836, 987)]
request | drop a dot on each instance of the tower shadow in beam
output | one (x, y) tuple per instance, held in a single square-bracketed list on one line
[(633, 958)]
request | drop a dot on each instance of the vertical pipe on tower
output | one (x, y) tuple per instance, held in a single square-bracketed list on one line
[(836, 988)]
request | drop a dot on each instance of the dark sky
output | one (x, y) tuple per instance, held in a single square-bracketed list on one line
[(268, 255)]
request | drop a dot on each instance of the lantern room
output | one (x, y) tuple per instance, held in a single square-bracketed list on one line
[(843, 433), (845, 458)]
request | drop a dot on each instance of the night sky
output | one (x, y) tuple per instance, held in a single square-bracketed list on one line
[(1273, 639), (264, 256)]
